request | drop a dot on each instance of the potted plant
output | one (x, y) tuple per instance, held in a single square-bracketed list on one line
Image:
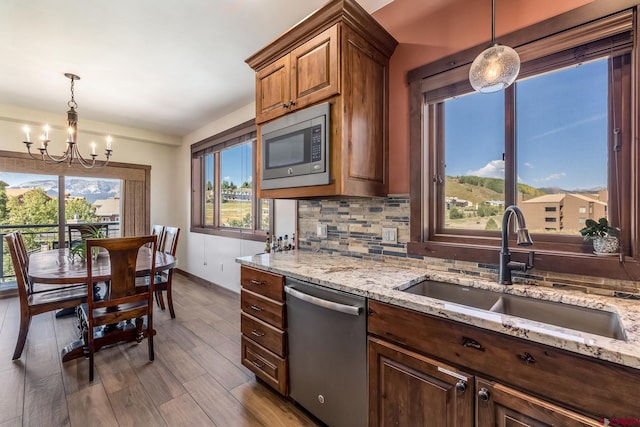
[(604, 237), (80, 250)]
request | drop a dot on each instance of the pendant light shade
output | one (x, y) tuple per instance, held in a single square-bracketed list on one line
[(495, 68)]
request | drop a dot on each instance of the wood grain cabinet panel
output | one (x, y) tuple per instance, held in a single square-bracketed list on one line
[(498, 405), (268, 366), (263, 283), (272, 90), (339, 55), (567, 380), (263, 308), (409, 389), (262, 323)]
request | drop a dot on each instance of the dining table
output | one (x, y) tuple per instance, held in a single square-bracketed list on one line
[(57, 267)]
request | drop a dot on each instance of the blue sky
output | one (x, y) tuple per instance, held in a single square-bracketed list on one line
[(561, 130), (236, 164)]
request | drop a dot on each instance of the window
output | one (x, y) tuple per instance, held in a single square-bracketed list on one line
[(224, 200), (557, 139)]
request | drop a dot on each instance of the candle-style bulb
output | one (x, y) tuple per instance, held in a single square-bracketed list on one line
[(93, 148), (26, 132), (109, 142), (70, 134), (46, 131)]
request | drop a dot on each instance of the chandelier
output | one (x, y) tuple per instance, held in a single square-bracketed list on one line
[(496, 67), (71, 152)]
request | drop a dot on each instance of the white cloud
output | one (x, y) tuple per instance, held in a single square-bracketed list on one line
[(227, 178), (552, 177), (493, 169), (529, 165)]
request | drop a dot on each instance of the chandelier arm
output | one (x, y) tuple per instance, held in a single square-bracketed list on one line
[(71, 153)]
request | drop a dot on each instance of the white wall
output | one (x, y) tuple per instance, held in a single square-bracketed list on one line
[(130, 145), (209, 257), (213, 257)]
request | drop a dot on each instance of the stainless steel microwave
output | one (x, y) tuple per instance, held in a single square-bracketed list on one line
[(295, 149)]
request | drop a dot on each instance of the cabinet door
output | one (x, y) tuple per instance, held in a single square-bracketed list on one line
[(501, 406), (272, 90), (409, 389), (314, 69)]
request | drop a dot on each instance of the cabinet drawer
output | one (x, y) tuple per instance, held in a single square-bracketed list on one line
[(263, 333), (264, 309), (266, 365), (549, 372), (261, 282)]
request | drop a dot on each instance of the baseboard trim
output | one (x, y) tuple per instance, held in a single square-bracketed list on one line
[(204, 282)]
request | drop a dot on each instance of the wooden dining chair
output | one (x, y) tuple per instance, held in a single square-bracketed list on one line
[(158, 230), (34, 303), (164, 278), (122, 301)]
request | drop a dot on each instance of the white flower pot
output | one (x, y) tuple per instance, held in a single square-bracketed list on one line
[(605, 245)]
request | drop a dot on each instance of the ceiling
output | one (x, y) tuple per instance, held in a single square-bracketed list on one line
[(159, 65)]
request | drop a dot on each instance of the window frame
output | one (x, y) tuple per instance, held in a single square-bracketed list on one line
[(214, 145), (559, 254)]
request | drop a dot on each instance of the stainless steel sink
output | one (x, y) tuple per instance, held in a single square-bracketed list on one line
[(597, 322)]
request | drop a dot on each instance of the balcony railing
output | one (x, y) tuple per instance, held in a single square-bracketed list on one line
[(39, 237)]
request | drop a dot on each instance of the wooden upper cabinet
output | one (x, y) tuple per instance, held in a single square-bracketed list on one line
[(307, 75), (339, 55), (314, 69), (272, 90)]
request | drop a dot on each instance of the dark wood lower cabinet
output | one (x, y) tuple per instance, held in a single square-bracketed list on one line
[(498, 405), (409, 389)]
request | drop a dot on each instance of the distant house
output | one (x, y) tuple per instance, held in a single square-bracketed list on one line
[(107, 209), (459, 203), (563, 211), (16, 192)]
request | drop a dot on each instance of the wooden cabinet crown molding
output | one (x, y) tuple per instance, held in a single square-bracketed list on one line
[(348, 11)]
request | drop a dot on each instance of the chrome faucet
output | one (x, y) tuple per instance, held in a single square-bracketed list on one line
[(523, 239)]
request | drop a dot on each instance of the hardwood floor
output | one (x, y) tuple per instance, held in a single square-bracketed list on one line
[(195, 380)]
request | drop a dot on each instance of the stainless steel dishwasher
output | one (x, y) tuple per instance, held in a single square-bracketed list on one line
[(327, 352)]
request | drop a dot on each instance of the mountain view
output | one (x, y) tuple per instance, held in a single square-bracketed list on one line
[(91, 189)]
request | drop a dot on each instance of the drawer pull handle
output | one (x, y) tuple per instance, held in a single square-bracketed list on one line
[(256, 333), (256, 282), (484, 394), (526, 357), (256, 308), (468, 342), (257, 364)]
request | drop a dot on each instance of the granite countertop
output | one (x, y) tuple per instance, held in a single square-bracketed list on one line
[(383, 282)]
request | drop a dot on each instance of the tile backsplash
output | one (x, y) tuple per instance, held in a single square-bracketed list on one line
[(354, 228)]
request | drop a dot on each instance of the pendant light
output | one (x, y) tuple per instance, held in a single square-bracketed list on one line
[(496, 67)]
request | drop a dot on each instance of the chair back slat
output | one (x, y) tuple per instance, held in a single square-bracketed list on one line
[(20, 268), (171, 235), (159, 230), (123, 256)]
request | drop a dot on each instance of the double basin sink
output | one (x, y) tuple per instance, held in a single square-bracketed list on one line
[(597, 322)]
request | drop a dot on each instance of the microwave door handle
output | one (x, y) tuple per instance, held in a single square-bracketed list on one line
[(334, 306)]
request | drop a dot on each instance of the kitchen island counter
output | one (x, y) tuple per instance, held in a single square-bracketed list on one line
[(384, 281)]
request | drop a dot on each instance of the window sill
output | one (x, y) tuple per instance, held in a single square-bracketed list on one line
[(258, 236), (545, 260)]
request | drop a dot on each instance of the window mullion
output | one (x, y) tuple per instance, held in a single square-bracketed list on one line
[(511, 173), (217, 192)]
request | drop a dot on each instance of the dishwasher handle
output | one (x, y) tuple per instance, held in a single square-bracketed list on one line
[(342, 308)]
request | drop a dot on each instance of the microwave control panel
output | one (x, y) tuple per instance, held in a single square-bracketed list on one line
[(316, 143)]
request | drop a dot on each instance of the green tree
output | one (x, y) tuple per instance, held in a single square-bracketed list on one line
[(246, 184), (245, 222), (491, 225), (81, 210), (3, 200), (228, 185), (33, 207), (209, 186), (455, 213)]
